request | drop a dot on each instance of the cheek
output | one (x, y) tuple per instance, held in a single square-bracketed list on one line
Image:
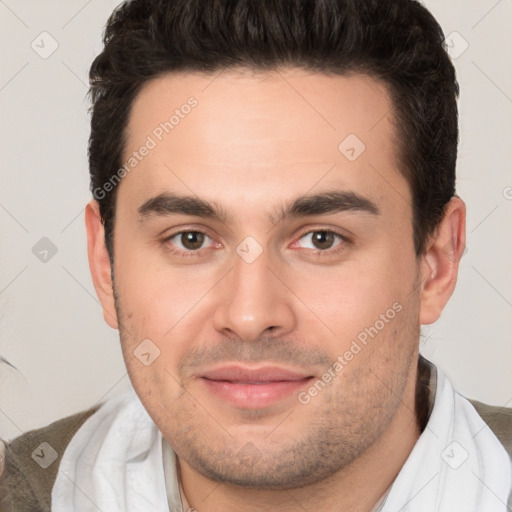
[(351, 297), (159, 320), (152, 350), (155, 299)]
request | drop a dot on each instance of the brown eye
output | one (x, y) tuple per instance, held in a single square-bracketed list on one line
[(323, 239), (323, 242), (192, 240), (187, 241)]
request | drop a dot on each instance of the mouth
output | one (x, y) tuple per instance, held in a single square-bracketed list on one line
[(253, 388)]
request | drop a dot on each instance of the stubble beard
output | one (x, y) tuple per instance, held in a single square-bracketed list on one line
[(346, 419)]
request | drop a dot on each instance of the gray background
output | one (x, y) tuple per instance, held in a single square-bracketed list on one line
[(51, 323)]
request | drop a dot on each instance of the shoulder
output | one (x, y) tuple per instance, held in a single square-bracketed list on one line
[(30, 462), (499, 420)]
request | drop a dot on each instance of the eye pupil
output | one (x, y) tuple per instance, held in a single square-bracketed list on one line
[(323, 239), (192, 239)]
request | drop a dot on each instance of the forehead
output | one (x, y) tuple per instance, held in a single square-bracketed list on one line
[(261, 136)]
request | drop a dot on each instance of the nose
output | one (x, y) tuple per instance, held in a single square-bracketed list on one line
[(254, 302)]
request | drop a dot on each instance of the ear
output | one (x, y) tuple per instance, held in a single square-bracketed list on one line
[(99, 262), (440, 263)]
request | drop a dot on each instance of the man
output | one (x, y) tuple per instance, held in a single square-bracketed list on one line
[(274, 218)]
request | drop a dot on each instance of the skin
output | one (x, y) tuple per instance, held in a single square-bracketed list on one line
[(251, 146)]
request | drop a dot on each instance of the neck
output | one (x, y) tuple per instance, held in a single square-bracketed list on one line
[(356, 488)]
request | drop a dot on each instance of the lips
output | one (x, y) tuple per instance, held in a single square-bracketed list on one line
[(253, 375), (253, 387)]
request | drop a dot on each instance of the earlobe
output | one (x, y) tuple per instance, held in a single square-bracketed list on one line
[(440, 263), (99, 262)]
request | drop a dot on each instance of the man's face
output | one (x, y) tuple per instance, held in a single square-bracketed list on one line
[(286, 337)]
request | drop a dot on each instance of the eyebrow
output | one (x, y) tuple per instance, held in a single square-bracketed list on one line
[(323, 203)]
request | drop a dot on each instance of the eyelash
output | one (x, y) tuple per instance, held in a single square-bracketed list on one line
[(318, 253)]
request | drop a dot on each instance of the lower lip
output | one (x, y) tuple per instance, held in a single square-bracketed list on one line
[(254, 395)]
